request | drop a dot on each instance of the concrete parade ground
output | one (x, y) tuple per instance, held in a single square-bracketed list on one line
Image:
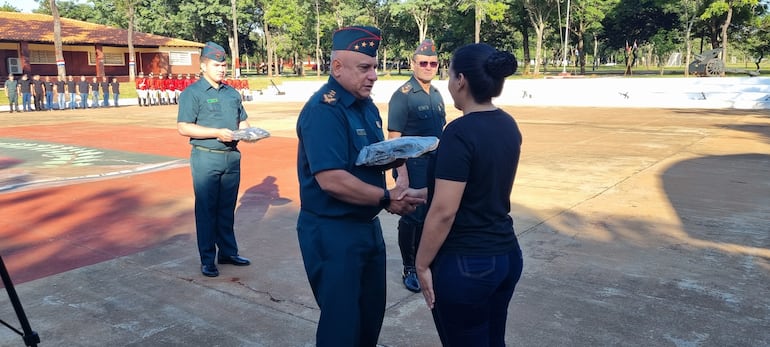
[(639, 227)]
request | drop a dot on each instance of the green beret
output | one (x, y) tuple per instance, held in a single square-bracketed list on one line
[(360, 39), (427, 47), (214, 52)]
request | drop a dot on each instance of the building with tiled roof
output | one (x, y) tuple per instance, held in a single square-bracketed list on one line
[(27, 46)]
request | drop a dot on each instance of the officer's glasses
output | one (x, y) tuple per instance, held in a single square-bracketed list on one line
[(425, 63)]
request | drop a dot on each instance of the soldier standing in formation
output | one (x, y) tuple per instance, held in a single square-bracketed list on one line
[(72, 90), (115, 87), (104, 85), (415, 109), (11, 91), (25, 87)]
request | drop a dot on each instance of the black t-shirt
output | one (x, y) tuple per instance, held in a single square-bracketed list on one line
[(59, 86), (48, 86), (71, 86), (115, 86), (105, 87), (25, 86), (83, 87), (94, 87), (38, 86), (481, 149)]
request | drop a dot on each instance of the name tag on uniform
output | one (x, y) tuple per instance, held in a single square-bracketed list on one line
[(360, 132), (423, 108), (211, 101)]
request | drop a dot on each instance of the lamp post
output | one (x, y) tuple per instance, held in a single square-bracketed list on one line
[(566, 41)]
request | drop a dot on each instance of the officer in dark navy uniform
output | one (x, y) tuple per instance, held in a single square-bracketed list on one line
[(415, 109), (340, 236), (209, 112)]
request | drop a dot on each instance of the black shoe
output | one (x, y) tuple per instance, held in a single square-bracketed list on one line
[(410, 281), (209, 270), (235, 260)]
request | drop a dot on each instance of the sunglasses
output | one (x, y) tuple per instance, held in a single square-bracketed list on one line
[(425, 63)]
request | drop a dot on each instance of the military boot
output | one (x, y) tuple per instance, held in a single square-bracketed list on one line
[(407, 242)]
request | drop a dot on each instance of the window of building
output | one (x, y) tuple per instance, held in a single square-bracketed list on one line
[(42, 57), (180, 58), (110, 59)]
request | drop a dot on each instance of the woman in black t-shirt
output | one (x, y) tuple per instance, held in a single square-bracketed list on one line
[(469, 259)]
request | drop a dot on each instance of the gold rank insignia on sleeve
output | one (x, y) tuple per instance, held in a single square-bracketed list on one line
[(330, 97), (406, 88)]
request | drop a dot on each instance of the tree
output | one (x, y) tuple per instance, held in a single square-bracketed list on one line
[(6, 7), (688, 12), (587, 18), (494, 10), (756, 37), (539, 12), (727, 8), (421, 10), (60, 68)]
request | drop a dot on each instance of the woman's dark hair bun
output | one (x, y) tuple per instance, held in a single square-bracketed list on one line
[(501, 64)]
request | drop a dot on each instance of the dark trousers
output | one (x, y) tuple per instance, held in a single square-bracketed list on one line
[(39, 102), (472, 297), (410, 226), (345, 264), (13, 101), (216, 177)]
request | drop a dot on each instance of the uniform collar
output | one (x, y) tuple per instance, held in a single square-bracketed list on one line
[(416, 86), (344, 96)]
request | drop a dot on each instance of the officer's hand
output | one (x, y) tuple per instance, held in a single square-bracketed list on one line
[(225, 135), (406, 201)]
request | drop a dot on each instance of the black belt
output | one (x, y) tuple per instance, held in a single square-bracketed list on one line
[(205, 149)]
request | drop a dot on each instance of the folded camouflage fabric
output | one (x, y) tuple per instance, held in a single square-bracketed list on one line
[(388, 151), (250, 134)]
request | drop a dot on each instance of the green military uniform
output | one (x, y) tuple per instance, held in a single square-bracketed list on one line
[(215, 165)]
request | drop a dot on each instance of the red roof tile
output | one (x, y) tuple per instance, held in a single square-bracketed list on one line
[(33, 27)]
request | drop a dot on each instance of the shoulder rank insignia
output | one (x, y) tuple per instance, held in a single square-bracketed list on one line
[(406, 88), (330, 97)]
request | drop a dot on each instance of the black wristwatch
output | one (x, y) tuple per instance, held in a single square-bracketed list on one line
[(385, 200)]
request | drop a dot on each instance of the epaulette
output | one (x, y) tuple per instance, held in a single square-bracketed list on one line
[(330, 97), (406, 88)]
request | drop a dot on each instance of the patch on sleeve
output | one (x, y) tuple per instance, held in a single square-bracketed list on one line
[(406, 88), (330, 97)]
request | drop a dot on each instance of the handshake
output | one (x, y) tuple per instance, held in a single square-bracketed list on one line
[(404, 201)]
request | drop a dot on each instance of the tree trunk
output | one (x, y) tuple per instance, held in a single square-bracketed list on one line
[(269, 47), (60, 67), (725, 26), (539, 31), (525, 44), (131, 51), (478, 23)]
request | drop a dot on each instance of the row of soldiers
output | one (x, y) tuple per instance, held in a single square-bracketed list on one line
[(164, 90), (46, 94)]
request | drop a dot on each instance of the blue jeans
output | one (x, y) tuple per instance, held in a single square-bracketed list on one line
[(95, 101), (60, 103), (83, 100), (26, 101), (49, 100), (73, 105), (115, 99), (472, 297), (106, 99)]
